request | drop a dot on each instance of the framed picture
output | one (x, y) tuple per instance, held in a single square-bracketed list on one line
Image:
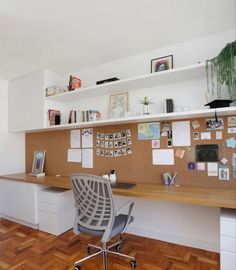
[(231, 121), (38, 162), (118, 105), (223, 173), (162, 63), (214, 124)]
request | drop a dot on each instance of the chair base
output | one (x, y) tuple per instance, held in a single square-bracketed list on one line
[(104, 250)]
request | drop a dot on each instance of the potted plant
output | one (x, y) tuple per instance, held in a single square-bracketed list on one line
[(146, 102), (221, 74)]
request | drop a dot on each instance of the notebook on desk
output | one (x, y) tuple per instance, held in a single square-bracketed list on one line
[(122, 185)]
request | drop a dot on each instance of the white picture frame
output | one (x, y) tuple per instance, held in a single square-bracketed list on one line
[(38, 163), (118, 105)]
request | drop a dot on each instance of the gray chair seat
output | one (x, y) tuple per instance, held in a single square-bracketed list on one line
[(118, 226)]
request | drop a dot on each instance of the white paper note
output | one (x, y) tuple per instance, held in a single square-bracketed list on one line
[(205, 135), (163, 157), (201, 166), (75, 138), (87, 158), (74, 155), (218, 135), (181, 133), (212, 169), (87, 138)]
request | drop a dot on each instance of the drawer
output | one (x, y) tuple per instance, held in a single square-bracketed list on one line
[(228, 243), (227, 261), (55, 208), (54, 223), (228, 228), (55, 195)]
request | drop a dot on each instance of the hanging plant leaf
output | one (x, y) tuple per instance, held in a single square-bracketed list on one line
[(221, 70)]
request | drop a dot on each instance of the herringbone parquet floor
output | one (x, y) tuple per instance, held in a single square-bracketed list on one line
[(25, 248)]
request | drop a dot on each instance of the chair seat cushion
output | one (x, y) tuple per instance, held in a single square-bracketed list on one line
[(117, 228)]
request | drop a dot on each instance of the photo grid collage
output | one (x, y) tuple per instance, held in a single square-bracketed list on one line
[(114, 144)]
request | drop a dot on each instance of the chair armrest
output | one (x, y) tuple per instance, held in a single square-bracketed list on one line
[(130, 205)]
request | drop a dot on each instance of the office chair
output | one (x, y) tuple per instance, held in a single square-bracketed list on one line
[(96, 216)]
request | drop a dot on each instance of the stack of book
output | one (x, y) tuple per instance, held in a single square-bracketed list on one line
[(54, 117), (90, 115), (83, 116)]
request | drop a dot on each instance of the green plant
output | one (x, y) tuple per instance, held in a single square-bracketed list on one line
[(146, 101), (221, 70)]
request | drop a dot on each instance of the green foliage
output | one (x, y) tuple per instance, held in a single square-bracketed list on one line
[(146, 101), (222, 70)]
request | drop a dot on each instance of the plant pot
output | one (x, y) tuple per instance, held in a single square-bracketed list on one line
[(219, 103), (146, 109)]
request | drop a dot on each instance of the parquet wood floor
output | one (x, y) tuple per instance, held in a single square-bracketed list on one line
[(25, 248)]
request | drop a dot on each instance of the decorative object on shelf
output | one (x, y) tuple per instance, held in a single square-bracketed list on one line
[(53, 90), (146, 102), (118, 105), (221, 76), (169, 105), (113, 79), (162, 63), (219, 103), (74, 83), (38, 163)]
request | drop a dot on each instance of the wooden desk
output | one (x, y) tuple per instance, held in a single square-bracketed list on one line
[(225, 198)]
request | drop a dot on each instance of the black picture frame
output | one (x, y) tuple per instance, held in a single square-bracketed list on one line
[(162, 63)]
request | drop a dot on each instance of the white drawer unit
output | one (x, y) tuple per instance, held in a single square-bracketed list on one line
[(55, 210), (228, 239)]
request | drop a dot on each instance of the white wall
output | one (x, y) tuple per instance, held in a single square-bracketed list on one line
[(12, 145), (184, 54), (190, 225)]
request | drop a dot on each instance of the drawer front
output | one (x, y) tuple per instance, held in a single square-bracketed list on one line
[(227, 261), (228, 243), (47, 207), (228, 228)]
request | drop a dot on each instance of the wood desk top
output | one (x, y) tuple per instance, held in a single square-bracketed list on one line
[(225, 198)]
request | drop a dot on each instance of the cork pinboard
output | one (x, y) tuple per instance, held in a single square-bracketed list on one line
[(135, 167)]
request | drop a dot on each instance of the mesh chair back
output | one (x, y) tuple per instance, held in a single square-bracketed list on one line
[(93, 201)]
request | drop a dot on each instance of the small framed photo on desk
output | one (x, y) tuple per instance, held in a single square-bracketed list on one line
[(38, 163)]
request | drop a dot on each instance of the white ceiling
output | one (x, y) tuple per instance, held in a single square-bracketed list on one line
[(69, 35)]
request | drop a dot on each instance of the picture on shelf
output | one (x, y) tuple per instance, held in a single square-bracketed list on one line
[(118, 105), (162, 63)]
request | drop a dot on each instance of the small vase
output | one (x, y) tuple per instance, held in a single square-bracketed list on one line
[(146, 109)]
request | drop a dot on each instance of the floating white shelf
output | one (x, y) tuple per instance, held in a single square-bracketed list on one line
[(193, 72), (144, 118)]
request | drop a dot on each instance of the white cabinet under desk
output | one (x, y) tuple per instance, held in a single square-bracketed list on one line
[(18, 202), (56, 210), (228, 239)]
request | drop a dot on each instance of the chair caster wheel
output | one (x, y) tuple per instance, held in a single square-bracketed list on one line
[(89, 250), (133, 263), (77, 267), (118, 247)]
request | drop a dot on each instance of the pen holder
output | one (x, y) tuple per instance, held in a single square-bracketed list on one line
[(168, 179)]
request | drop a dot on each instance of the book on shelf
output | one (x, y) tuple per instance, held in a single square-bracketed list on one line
[(83, 116), (54, 117)]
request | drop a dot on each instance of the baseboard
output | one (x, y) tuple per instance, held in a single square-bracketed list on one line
[(176, 239), (34, 226)]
